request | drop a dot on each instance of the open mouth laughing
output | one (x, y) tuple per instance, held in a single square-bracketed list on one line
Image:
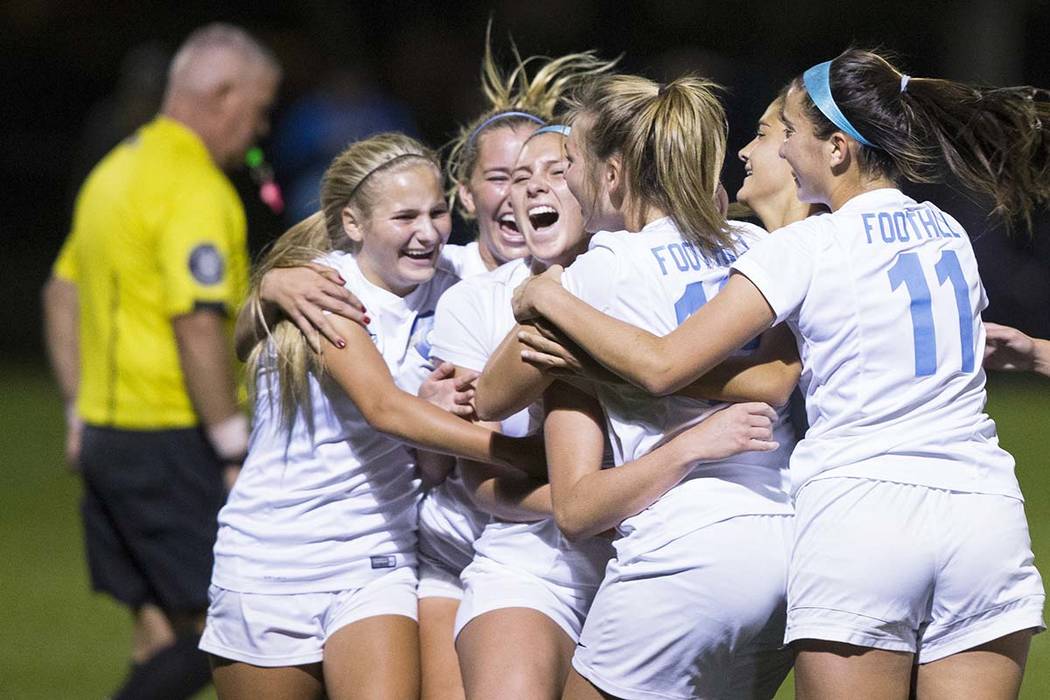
[(543, 216)]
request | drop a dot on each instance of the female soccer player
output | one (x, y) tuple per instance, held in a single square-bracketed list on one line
[(314, 581), (768, 187), (526, 588), (911, 543), (479, 166), (529, 588), (693, 603)]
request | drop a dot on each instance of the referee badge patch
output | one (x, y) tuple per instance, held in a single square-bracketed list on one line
[(206, 264)]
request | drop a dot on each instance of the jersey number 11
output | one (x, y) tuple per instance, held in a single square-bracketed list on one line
[(908, 271)]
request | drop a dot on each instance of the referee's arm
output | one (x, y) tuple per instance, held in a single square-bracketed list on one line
[(61, 334), (62, 339), (204, 355)]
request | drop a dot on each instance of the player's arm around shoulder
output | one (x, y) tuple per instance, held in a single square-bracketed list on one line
[(361, 372)]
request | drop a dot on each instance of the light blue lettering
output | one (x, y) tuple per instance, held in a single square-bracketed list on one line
[(910, 213), (692, 255), (659, 258), (947, 228), (886, 227), (901, 224), (678, 255), (928, 223), (867, 219)]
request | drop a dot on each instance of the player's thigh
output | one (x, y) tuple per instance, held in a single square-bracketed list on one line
[(236, 680), (514, 653), (837, 671), (992, 670), (376, 658), (579, 688), (439, 663)]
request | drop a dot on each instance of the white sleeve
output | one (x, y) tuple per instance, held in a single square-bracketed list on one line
[(594, 275), (460, 328), (781, 265)]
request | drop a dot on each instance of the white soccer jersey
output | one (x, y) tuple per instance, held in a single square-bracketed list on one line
[(473, 318), (884, 298), (332, 507), (449, 523), (654, 279), (464, 260)]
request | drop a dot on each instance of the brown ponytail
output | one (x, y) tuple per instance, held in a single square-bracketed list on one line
[(993, 141)]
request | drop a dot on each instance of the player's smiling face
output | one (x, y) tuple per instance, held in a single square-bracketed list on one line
[(767, 176), (804, 152), (487, 194), (400, 236), (546, 211)]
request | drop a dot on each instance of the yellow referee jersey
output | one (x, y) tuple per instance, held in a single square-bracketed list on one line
[(158, 231)]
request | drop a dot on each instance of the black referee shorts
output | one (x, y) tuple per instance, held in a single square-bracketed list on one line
[(150, 504)]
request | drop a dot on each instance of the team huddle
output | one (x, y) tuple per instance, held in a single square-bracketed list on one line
[(561, 461)]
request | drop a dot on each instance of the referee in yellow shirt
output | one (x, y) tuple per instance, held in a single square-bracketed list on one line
[(138, 314)]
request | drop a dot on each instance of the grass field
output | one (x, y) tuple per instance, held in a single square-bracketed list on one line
[(62, 641)]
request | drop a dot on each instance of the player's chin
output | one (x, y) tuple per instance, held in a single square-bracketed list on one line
[(417, 271)]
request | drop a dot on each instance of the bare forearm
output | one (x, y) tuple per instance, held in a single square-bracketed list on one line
[(601, 500), (433, 467), (769, 374), (1041, 357), (508, 385), (661, 365), (426, 426), (514, 497), (627, 350), (61, 334), (204, 354)]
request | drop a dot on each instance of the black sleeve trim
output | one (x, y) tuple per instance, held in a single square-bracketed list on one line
[(213, 306)]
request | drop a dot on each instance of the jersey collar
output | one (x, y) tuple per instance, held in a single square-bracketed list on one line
[(882, 198)]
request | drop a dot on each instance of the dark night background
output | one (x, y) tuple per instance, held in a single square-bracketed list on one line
[(77, 77)]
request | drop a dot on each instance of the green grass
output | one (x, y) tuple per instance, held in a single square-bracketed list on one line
[(62, 641)]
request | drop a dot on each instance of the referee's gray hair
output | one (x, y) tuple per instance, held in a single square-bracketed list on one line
[(202, 62)]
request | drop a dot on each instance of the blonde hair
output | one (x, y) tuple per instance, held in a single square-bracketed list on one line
[(672, 140), (536, 98), (348, 181)]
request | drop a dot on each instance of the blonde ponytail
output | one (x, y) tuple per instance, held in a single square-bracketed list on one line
[(672, 141), (515, 99)]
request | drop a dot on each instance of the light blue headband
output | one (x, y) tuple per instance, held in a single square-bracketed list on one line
[(502, 115), (818, 85), (551, 129)]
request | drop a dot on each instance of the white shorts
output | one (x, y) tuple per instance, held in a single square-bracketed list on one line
[(910, 568), (490, 585), (700, 617), (290, 629), (436, 580), (448, 526)]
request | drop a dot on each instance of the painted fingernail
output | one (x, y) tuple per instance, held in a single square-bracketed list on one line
[(367, 320), (341, 343)]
